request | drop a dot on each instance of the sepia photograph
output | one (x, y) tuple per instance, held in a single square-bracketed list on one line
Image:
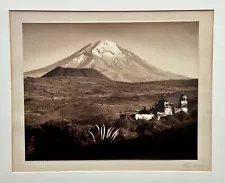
[(111, 91), (115, 94)]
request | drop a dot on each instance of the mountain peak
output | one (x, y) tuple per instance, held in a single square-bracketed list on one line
[(106, 42), (103, 42), (106, 47)]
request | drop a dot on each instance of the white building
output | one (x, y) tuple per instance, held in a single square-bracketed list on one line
[(144, 116), (162, 108)]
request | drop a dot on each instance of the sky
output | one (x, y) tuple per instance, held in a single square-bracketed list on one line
[(171, 46)]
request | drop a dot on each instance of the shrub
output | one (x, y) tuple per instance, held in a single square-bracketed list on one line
[(194, 113), (159, 127), (171, 120), (144, 127), (102, 134), (123, 134), (123, 123), (181, 116)]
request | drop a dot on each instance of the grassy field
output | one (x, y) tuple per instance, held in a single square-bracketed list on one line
[(85, 99)]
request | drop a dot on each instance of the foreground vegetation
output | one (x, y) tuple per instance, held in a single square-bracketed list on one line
[(172, 137)]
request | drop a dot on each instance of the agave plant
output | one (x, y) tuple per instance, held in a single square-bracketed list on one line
[(103, 134)]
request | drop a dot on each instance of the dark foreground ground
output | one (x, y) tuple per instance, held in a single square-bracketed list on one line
[(57, 142), (59, 112)]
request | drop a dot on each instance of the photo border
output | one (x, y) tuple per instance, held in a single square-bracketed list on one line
[(205, 19)]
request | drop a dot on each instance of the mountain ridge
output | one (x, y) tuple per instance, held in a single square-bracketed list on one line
[(113, 61)]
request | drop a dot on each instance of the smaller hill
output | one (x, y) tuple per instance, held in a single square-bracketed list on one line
[(79, 72)]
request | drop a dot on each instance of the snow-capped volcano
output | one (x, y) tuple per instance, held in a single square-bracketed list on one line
[(113, 61), (104, 51)]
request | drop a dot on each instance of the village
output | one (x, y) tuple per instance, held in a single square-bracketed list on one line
[(161, 108)]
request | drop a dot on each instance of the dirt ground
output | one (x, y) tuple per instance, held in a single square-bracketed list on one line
[(82, 99)]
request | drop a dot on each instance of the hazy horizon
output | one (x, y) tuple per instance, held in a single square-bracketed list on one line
[(171, 47)]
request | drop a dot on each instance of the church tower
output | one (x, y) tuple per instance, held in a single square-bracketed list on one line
[(183, 103)]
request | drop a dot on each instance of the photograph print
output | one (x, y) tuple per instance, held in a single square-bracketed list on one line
[(111, 91)]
